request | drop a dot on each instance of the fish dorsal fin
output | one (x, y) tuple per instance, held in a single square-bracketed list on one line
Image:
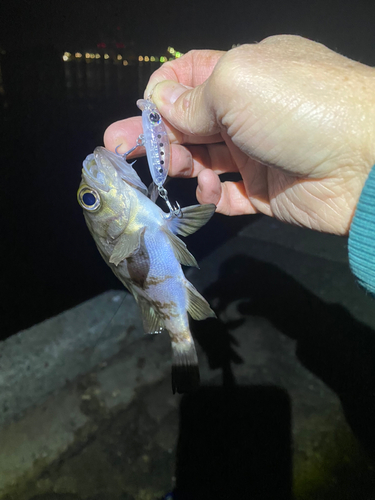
[(152, 321), (198, 307), (181, 253), (127, 244), (191, 219)]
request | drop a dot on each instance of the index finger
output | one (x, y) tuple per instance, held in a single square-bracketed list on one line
[(192, 69)]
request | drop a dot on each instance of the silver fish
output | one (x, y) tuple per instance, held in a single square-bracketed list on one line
[(139, 242)]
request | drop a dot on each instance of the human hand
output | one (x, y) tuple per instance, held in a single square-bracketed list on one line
[(294, 118)]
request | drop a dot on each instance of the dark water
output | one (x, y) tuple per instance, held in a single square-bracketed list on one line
[(52, 115)]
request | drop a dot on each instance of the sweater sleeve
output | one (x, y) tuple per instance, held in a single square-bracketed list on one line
[(362, 237)]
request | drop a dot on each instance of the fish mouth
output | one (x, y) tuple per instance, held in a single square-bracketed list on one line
[(104, 169), (120, 166), (94, 171)]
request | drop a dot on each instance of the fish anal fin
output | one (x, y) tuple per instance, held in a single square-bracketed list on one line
[(191, 219), (198, 307), (126, 245), (152, 321), (180, 250)]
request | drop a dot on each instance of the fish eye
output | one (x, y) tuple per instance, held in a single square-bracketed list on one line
[(89, 199), (154, 118)]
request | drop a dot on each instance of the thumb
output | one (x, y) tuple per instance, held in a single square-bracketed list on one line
[(190, 110)]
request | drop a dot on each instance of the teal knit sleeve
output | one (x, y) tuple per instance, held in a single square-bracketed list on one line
[(362, 237)]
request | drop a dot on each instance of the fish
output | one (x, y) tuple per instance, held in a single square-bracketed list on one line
[(140, 243)]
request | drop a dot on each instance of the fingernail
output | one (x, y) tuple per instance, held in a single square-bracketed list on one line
[(168, 92)]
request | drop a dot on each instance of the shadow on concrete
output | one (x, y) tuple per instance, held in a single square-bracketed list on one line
[(331, 343), (221, 353), (234, 443)]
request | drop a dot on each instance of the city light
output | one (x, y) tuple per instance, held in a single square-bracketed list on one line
[(172, 54)]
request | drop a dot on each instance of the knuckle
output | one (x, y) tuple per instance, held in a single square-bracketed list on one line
[(281, 39), (232, 71)]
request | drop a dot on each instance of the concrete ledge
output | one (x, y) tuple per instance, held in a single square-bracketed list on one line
[(69, 416), (41, 359), (87, 408)]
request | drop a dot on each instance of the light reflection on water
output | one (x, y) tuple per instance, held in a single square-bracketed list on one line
[(27, 75), (105, 78)]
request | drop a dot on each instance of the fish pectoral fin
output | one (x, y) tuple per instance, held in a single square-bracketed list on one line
[(127, 244), (198, 307), (152, 321), (191, 219), (180, 250)]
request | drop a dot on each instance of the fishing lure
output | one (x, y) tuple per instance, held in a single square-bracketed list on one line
[(155, 139)]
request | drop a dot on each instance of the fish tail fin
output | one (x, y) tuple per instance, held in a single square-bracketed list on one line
[(185, 369)]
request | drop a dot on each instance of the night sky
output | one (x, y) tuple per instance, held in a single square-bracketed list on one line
[(345, 25)]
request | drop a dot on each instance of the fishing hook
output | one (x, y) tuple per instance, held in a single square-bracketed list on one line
[(175, 211), (140, 142)]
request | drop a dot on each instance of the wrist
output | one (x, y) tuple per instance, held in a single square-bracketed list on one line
[(362, 236)]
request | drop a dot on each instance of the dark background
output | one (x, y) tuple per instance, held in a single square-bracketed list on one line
[(52, 114)]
